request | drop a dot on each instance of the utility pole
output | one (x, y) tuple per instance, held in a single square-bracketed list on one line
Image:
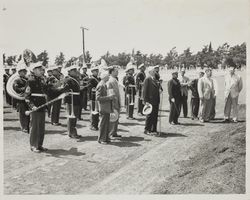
[(83, 44)]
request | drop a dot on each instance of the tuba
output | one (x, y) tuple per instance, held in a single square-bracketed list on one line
[(10, 89), (28, 57)]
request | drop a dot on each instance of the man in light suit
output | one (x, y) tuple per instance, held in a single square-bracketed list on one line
[(207, 89), (112, 84), (233, 87), (105, 102)]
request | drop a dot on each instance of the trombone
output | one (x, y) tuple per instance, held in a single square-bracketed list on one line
[(95, 110), (72, 113)]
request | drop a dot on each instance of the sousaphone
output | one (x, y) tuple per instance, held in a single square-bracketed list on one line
[(28, 57)]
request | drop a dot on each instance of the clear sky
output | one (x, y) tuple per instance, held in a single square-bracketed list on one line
[(152, 26)]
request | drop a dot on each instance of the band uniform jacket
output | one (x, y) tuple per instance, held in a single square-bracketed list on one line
[(35, 92), (207, 88), (139, 81), (84, 81), (151, 92), (129, 81), (113, 84), (93, 82), (104, 101), (233, 85), (20, 85), (5, 79), (72, 83), (54, 86), (174, 89)]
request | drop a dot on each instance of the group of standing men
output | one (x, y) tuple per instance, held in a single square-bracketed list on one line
[(102, 88)]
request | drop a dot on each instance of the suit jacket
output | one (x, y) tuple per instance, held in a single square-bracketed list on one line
[(174, 89), (113, 84), (207, 87), (104, 101), (151, 91), (233, 85)]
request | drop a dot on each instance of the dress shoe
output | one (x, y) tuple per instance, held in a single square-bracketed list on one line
[(116, 135), (25, 130), (56, 124), (35, 150), (94, 128), (42, 149), (102, 142)]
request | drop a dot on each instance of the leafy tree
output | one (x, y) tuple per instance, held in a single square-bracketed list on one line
[(43, 57), (60, 59), (71, 61)]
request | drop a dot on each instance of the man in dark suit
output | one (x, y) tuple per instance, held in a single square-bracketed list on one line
[(151, 95), (174, 92), (139, 85), (105, 102)]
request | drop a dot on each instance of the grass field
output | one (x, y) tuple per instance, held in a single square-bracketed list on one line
[(190, 158)]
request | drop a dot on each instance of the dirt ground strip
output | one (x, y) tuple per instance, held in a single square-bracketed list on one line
[(188, 158)]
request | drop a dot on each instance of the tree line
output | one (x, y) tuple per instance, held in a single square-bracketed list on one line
[(207, 56)]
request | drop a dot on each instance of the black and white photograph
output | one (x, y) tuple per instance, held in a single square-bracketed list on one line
[(112, 97)]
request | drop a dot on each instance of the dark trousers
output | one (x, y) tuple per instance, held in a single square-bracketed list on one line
[(94, 119), (183, 103), (83, 102), (55, 112), (37, 129), (8, 98), (130, 105), (174, 111), (71, 123), (104, 128), (212, 113), (14, 103), (151, 119), (140, 105), (24, 119), (195, 104)]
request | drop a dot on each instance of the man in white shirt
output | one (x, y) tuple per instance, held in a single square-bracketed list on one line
[(233, 87), (207, 89), (184, 81)]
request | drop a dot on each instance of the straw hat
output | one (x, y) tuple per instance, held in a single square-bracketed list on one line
[(147, 109)]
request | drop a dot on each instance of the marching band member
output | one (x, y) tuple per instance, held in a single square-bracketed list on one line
[(84, 79), (233, 87), (13, 100), (207, 89), (157, 76), (124, 89), (195, 100), (55, 89), (6, 77), (139, 84), (71, 83), (93, 82), (20, 86), (105, 104), (112, 84), (130, 91), (174, 92), (49, 74), (151, 95), (35, 97), (184, 81)]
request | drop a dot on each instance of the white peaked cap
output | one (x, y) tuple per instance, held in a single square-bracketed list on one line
[(104, 74)]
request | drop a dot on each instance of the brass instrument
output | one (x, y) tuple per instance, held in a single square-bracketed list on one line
[(10, 89), (95, 110), (72, 113)]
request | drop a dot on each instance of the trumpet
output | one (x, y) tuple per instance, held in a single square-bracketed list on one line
[(72, 113)]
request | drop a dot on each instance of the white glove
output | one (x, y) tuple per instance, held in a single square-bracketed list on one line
[(173, 100)]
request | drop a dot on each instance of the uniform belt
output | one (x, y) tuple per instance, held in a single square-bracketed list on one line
[(38, 95), (75, 93), (131, 86)]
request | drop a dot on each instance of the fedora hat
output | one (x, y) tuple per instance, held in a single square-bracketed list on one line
[(147, 109), (114, 116)]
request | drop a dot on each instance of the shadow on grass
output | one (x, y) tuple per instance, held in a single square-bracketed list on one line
[(62, 132), (122, 131), (166, 135), (130, 124), (132, 139), (87, 138), (10, 120), (62, 152), (11, 128), (5, 112), (124, 144), (191, 124)]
